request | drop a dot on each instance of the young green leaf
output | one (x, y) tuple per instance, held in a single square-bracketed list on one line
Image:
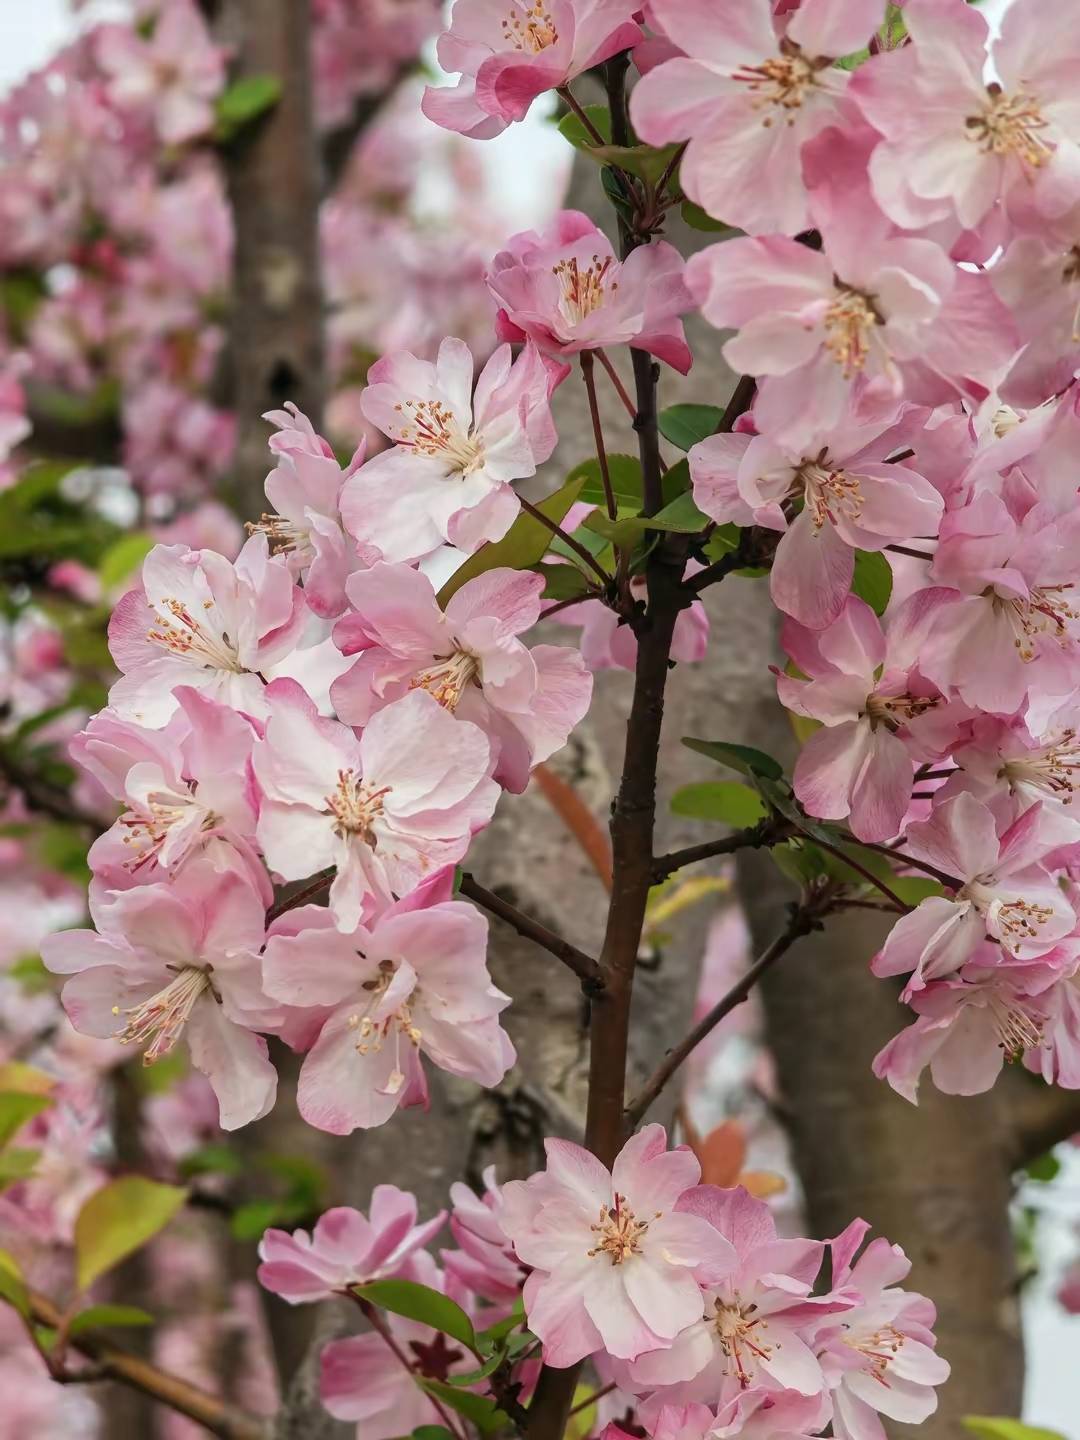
[(119, 1219), (624, 471), (737, 757), (727, 801), (16, 1108), (243, 102), (523, 545), (479, 1409), (682, 516), (694, 216), (420, 1302), (431, 1432), (101, 1317), (123, 558), (873, 579), (685, 425), (573, 129), (12, 1285)]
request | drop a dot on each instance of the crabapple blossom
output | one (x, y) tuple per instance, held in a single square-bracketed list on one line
[(176, 70), (484, 1262), (172, 960), (878, 1357), (565, 290), (852, 499), (1003, 892), (200, 620), (384, 811), (507, 54), (615, 1261), (469, 657), (345, 1248), (447, 475), (414, 982), (606, 643), (747, 98)]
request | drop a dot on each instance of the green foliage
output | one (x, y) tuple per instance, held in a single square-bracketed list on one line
[(523, 545), (681, 516), (478, 1409), (873, 579), (624, 472), (726, 801), (103, 1317), (303, 1183), (17, 1163), (244, 102), (1000, 1427), (21, 292), (431, 1432), (572, 128), (737, 757), (563, 582), (698, 219), (123, 558), (16, 1108), (119, 1219), (12, 1285), (685, 425), (421, 1303), (1044, 1167)]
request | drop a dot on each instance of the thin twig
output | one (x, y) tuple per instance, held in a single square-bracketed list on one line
[(801, 923), (571, 101), (44, 797), (671, 167), (583, 966), (952, 882), (742, 397), (770, 831), (867, 875), (575, 545), (592, 1399), (598, 434), (620, 388), (113, 1363), (907, 550), (310, 891)]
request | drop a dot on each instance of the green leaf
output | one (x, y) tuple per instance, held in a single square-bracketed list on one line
[(101, 1317), (12, 1285), (675, 481), (497, 1333), (682, 516), (685, 425), (913, 889), (119, 1219), (737, 757), (473, 1377), (873, 579), (248, 1222), (17, 1163), (431, 1432), (698, 219), (725, 800), (1044, 1167), (648, 162), (562, 582), (21, 292), (624, 472), (16, 1108), (123, 558), (420, 1302), (523, 545), (243, 102), (723, 540), (799, 860), (479, 1409), (1000, 1427), (571, 128), (211, 1160)]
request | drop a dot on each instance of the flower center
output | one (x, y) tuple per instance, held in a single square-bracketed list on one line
[(355, 807), (830, 494), (1010, 125), (161, 1019), (1051, 769), (583, 291), (1017, 1030), (186, 637), (740, 1330), (282, 535), (849, 327), (780, 83), (148, 828), (619, 1231), (433, 430), (531, 29), (894, 711), (371, 1034), (1046, 611), (447, 679), (880, 1349), (1014, 921)]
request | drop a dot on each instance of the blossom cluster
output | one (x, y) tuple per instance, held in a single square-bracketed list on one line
[(697, 1314)]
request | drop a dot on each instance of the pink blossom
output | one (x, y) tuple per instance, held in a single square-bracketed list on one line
[(469, 658), (1038, 278), (614, 1258), (752, 1329), (383, 811), (748, 98), (565, 290), (1003, 892), (852, 499), (1003, 757), (177, 71), (507, 55), (857, 764), (305, 491), (202, 621), (414, 982), (484, 1262), (172, 960), (765, 1413), (607, 643), (345, 1248), (878, 1357), (951, 144), (447, 476), (184, 788)]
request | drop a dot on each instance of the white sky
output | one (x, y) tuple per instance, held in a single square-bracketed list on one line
[(30, 30)]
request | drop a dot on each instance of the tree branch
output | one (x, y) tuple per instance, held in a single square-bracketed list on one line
[(575, 545), (770, 831), (112, 1363), (803, 920), (583, 966)]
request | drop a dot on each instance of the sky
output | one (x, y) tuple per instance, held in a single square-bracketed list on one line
[(29, 33)]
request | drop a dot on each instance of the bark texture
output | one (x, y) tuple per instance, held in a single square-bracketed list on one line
[(274, 184)]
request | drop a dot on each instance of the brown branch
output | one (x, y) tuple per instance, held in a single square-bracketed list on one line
[(44, 797), (575, 545), (804, 918), (311, 891), (598, 433), (770, 831), (583, 966), (867, 875), (616, 380), (113, 1363), (742, 398)]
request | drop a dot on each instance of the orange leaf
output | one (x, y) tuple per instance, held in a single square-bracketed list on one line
[(722, 1154)]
